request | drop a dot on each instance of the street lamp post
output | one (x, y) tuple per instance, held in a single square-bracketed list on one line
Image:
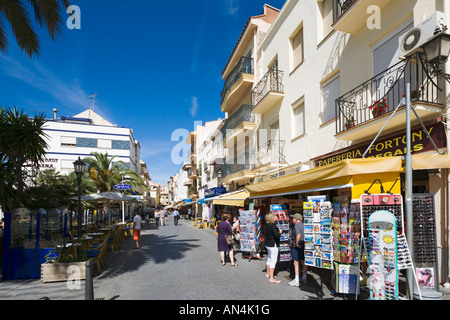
[(79, 169), (437, 51)]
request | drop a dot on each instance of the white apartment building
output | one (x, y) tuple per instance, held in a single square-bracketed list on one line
[(85, 133), (321, 71)]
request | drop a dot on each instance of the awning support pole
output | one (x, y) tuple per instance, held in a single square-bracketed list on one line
[(408, 193)]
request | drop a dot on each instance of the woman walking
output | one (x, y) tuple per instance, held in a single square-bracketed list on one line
[(224, 229), (272, 244)]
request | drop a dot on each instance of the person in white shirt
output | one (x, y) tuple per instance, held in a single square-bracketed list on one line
[(137, 222), (176, 216)]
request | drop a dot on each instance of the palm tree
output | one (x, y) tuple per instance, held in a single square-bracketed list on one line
[(48, 14), (22, 140), (106, 173), (8, 185)]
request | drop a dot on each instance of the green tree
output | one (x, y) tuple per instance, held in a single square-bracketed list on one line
[(22, 141), (18, 14), (106, 173), (8, 185)]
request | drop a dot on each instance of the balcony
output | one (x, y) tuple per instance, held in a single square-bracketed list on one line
[(186, 166), (187, 183), (268, 91), (217, 154), (239, 81), (357, 117), (192, 173), (351, 15), (238, 169), (269, 154), (241, 120)]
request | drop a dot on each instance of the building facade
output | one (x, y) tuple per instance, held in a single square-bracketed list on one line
[(71, 137)]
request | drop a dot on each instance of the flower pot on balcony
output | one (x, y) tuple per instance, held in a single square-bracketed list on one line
[(377, 113), (379, 108), (349, 125)]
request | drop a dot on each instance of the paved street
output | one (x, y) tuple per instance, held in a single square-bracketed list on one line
[(181, 262), (174, 263)]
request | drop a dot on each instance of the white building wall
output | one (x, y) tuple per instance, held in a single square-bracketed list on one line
[(68, 140)]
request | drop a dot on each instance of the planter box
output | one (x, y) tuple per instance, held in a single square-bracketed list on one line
[(54, 272)]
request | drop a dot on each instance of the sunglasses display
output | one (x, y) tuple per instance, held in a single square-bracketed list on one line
[(424, 229)]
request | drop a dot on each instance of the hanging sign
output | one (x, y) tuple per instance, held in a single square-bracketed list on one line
[(122, 186)]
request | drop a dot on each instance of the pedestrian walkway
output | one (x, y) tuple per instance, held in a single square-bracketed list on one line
[(176, 263)]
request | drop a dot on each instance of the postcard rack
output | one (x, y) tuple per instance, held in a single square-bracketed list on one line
[(249, 237)]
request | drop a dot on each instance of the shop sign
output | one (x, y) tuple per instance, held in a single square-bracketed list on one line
[(274, 207), (392, 146), (214, 192)]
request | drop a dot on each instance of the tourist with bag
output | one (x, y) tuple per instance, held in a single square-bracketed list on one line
[(225, 239), (272, 242)]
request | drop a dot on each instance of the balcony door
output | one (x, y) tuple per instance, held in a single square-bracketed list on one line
[(388, 69)]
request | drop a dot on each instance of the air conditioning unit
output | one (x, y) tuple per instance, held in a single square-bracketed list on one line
[(412, 40)]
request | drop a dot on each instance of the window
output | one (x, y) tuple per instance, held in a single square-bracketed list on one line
[(330, 92), (327, 12), (298, 120), (68, 141), (104, 144), (297, 48)]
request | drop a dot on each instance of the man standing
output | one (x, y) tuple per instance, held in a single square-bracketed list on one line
[(298, 250), (176, 216), (137, 222)]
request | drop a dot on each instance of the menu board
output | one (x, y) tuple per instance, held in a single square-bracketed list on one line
[(318, 233)]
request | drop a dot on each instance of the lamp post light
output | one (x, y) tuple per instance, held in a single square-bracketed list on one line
[(79, 169), (437, 50)]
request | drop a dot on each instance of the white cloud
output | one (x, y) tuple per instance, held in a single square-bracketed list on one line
[(69, 94), (232, 6), (194, 106)]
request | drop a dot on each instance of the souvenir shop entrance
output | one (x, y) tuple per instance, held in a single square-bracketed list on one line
[(342, 213)]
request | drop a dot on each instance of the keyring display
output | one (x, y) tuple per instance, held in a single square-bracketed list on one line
[(383, 271)]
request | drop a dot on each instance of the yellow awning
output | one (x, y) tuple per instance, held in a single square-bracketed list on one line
[(435, 161), (234, 199), (338, 174)]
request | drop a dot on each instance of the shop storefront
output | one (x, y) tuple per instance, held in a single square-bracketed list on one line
[(334, 230)]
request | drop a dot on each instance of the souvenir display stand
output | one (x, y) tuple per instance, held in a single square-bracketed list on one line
[(318, 234), (382, 258), (282, 223), (250, 225), (387, 251), (425, 248), (346, 227)]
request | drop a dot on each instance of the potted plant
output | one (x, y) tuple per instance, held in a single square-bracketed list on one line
[(416, 94), (62, 263), (350, 122), (379, 107)]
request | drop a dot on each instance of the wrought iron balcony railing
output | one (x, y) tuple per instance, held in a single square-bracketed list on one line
[(271, 81), (244, 161), (384, 92), (270, 152), (245, 65), (244, 113), (340, 7)]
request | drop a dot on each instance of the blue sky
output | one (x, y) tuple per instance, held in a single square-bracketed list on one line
[(155, 66)]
